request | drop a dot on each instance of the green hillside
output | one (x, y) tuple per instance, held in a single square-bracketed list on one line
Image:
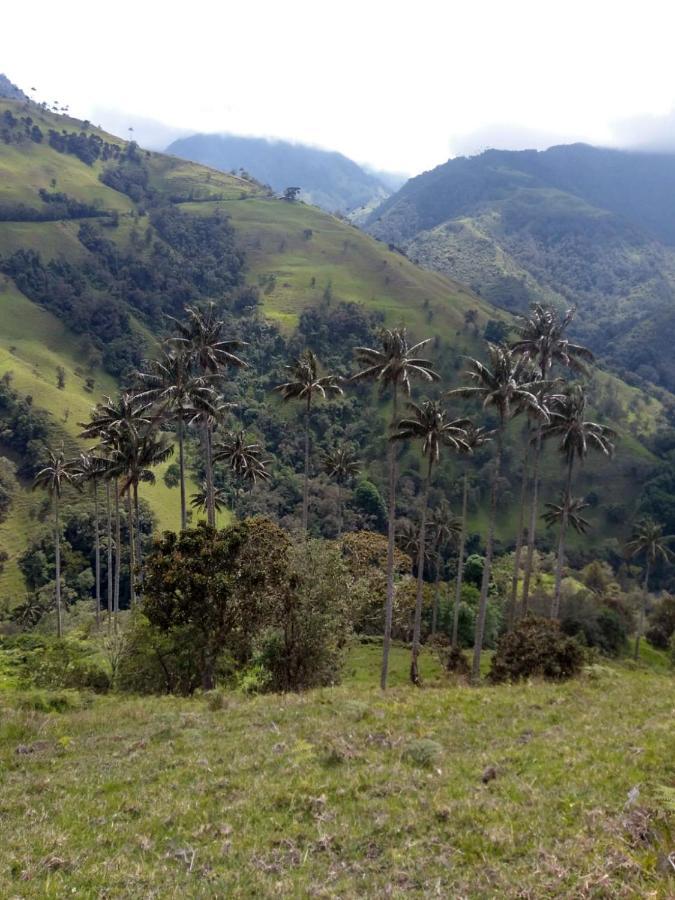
[(573, 224), (91, 268)]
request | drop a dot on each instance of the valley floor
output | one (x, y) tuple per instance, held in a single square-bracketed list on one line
[(345, 792)]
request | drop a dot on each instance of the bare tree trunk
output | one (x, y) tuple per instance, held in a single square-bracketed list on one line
[(132, 554), (139, 548), (339, 487), (210, 502), (437, 590), (460, 562), (391, 538), (118, 552), (305, 485), (643, 613), (97, 552), (513, 601), (181, 471), (532, 527), (555, 605), (487, 569), (57, 553), (109, 572), (417, 628)]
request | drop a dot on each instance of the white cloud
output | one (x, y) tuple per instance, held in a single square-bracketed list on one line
[(400, 85)]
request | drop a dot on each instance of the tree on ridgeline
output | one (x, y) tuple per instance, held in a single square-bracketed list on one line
[(305, 383), (392, 367), (649, 542), (53, 478), (506, 386), (428, 424)]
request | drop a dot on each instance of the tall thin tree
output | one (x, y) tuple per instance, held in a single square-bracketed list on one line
[(577, 437), (506, 386), (53, 478), (649, 542), (305, 383), (429, 424), (341, 465), (392, 367)]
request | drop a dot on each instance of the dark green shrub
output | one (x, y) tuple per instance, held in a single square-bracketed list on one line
[(536, 647), (44, 661), (662, 623)]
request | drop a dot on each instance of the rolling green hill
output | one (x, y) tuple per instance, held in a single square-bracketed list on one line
[(120, 236), (574, 224)]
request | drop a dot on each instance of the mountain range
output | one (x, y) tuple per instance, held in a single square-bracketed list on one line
[(326, 178), (573, 225)]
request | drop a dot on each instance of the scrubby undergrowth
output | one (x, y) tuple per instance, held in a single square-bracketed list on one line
[(344, 792)]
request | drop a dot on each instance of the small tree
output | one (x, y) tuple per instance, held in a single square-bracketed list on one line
[(651, 544), (291, 194)]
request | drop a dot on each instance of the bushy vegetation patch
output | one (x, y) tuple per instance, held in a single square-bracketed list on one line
[(536, 647)]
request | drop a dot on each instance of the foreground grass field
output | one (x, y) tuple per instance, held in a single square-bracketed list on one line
[(345, 792)]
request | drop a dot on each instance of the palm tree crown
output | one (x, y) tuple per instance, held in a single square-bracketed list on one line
[(201, 337), (305, 380), (429, 423), (341, 464), (577, 435), (395, 363), (649, 541), (541, 339), (555, 512), (245, 460), (58, 473)]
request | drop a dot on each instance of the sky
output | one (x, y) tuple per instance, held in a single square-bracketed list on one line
[(400, 86)]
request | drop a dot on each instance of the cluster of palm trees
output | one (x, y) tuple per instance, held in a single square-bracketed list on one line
[(181, 389)]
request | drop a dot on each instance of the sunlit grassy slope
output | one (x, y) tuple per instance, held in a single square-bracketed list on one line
[(345, 792)]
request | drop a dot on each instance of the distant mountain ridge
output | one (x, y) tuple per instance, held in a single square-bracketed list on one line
[(573, 224), (328, 179)]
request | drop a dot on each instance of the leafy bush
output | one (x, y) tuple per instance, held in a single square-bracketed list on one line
[(596, 623), (46, 662), (536, 647), (662, 623)]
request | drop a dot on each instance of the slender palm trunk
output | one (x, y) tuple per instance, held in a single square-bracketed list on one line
[(460, 562), (97, 553), (437, 593), (391, 540), (132, 553), (487, 569), (555, 605), (137, 523), (181, 471), (532, 527), (643, 613), (57, 553), (118, 552), (417, 628), (109, 572), (513, 601), (305, 485), (340, 510), (210, 499)]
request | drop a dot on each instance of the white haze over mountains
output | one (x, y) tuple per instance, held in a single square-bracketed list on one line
[(396, 85)]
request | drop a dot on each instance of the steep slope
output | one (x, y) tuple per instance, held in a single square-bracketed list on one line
[(99, 240), (575, 224), (327, 179)]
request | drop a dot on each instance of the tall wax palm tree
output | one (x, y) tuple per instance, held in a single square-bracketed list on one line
[(200, 499), (305, 383), (135, 459), (341, 464), (577, 436), (555, 512), (392, 366), (53, 477), (649, 542), (180, 396), (90, 468), (542, 340), (506, 386), (200, 336), (429, 425), (445, 528), (245, 460), (475, 438)]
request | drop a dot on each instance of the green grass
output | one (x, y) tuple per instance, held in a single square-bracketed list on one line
[(343, 792)]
